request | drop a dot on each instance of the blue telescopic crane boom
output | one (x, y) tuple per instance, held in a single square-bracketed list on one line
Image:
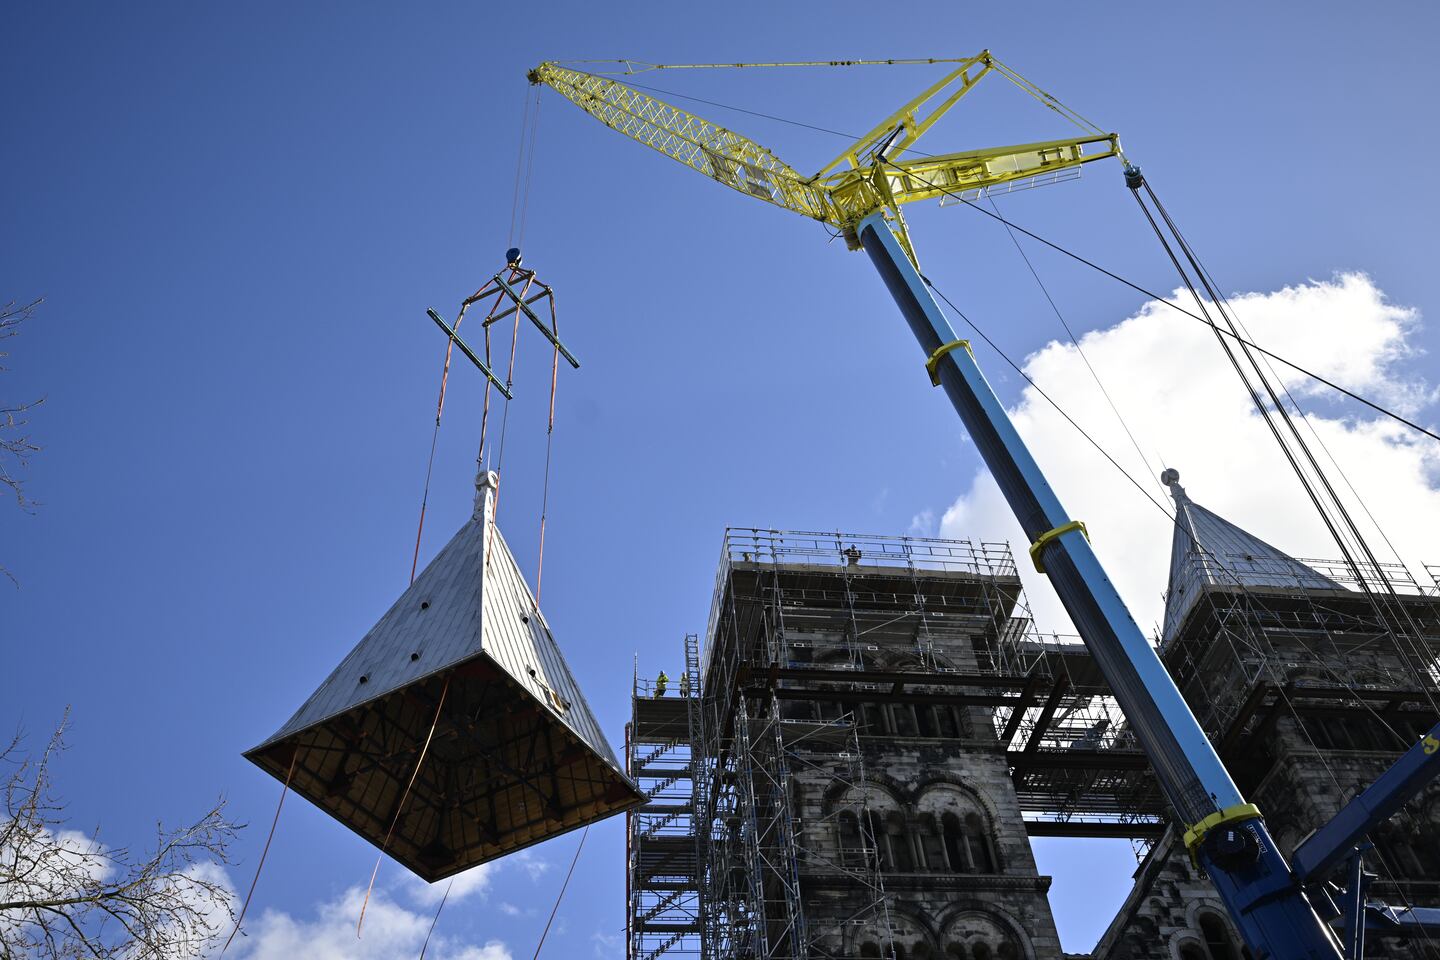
[(1227, 835)]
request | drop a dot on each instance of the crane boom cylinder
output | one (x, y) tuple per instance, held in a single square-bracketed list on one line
[(1226, 835)]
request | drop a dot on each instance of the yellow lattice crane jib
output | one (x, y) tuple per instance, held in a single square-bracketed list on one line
[(880, 171)]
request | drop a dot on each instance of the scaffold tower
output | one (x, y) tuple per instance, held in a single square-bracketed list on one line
[(663, 842)]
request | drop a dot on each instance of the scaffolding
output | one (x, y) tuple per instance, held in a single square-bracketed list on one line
[(663, 842), (758, 838), (811, 638), (1352, 666), (1077, 768)]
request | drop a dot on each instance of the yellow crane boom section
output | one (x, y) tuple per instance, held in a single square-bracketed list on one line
[(863, 178)]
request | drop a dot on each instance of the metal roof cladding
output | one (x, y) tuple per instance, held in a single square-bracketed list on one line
[(1209, 551), (515, 756)]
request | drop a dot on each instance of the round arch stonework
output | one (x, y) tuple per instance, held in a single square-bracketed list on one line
[(971, 922)]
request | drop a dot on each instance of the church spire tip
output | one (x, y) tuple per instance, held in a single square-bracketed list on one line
[(1171, 478)]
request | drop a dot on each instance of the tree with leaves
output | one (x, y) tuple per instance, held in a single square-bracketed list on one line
[(64, 894)]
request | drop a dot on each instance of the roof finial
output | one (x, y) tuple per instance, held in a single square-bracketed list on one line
[(486, 483), (1171, 478)]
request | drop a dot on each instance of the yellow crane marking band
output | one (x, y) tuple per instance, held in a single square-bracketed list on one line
[(1196, 833), (932, 366), (1049, 535)]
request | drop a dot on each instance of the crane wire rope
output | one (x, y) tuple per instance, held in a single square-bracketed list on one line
[(561, 896), (1049, 399), (1390, 599), (1179, 309), (531, 98), (436, 919), (1236, 336), (1158, 298), (529, 171), (1200, 548), (1094, 375), (519, 208), (1250, 597), (1336, 518), (1304, 417), (1345, 682)]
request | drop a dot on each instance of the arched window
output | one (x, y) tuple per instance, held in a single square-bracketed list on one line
[(877, 720), (1217, 937), (903, 716), (1190, 951), (1008, 951), (869, 950), (977, 838), (902, 855), (932, 845), (949, 723), (899, 951), (955, 951), (922, 951), (925, 721), (877, 841), (957, 851), (852, 848), (981, 951)]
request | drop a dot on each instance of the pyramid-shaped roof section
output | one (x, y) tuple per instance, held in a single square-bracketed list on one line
[(1209, 552), (460, 690)]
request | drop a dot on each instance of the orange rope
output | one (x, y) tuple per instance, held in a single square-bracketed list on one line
[(256, 879), (549, 439), (434, 438), (505, 416), (400, 808)]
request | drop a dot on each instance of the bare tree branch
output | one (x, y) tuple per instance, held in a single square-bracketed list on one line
[(65, 894), (16, 446)]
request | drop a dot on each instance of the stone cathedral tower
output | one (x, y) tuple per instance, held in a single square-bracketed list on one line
[(853, 797), (876, 730), (1311, 681)]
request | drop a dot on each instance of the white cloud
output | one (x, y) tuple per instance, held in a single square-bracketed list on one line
[(608, 946), (391, 932), (43, 863), (1187, 410), (526, 860), (471, 882), (922, 524)]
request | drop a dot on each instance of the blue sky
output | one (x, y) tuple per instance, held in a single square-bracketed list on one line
[(237, 216)]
